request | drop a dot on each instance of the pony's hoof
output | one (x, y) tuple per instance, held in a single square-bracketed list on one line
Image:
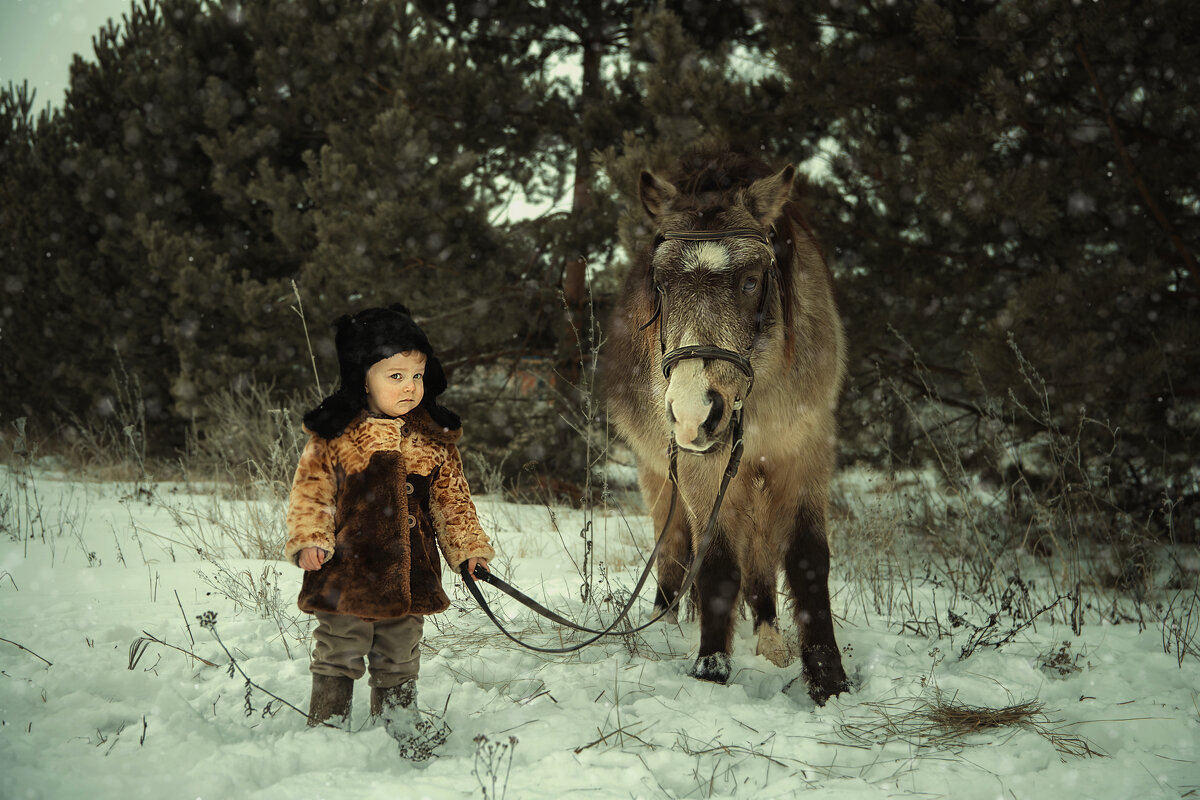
[(715, 667), (824, 674), (771, 645), (822, 692), (670, 617)]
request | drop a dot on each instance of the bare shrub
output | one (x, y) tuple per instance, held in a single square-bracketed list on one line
[(217, 526), (493, 762), (1013, 484), (260, 593), (112, 444), (255, 445), (1179, 615)]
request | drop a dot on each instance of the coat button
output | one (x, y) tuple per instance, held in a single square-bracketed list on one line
[(412, 521), (408, 487)]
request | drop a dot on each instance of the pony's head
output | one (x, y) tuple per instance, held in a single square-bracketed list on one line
[(720, 289)]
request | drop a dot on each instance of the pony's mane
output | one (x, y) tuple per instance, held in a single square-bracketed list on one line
[(711, 171)]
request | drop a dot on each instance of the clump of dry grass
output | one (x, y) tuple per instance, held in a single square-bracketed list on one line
[(943, 723)]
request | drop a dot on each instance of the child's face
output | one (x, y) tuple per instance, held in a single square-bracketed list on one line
[(396, 384)]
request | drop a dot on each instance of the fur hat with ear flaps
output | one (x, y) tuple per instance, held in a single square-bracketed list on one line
[(362, 339)]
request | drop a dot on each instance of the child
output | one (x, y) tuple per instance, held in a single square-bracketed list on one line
[(379, 482)]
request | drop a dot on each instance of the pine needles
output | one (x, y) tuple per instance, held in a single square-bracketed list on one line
[(946, 724)]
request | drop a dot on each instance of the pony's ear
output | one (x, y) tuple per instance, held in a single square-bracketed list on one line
[(766, 196), (656, 194)]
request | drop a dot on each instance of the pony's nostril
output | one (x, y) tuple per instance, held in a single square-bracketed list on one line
[(715, 413), (670, 413)]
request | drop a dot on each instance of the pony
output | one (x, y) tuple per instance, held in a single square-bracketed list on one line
[(726, 335)]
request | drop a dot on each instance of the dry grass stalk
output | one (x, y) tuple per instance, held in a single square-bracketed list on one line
[(946, 724)]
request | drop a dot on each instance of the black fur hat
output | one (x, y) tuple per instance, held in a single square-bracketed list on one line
[(362, 339)]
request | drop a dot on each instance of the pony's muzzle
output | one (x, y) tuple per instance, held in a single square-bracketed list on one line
[(700, 437), (696, 411)]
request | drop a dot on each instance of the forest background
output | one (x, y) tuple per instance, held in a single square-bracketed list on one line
[(1007, 193)]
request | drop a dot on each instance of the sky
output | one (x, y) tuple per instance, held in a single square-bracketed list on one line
[(39, 38)]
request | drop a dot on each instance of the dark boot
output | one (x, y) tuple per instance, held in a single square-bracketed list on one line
[(396, 706), (331, 699)]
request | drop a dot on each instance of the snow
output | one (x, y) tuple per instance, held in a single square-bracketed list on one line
[(108, 564)]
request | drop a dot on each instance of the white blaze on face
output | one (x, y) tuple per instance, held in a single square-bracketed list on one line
[(712, 256)]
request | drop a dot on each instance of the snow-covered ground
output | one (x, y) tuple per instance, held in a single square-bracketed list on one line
[(105, 693)]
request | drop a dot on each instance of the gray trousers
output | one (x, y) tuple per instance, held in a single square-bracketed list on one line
[(392, 645)]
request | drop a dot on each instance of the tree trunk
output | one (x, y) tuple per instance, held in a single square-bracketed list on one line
[(574, 336)]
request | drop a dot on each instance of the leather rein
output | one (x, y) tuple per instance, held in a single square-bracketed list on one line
[(737, 445)]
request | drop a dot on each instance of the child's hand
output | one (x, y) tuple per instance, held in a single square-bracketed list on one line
[(474, 562), (311, 558)]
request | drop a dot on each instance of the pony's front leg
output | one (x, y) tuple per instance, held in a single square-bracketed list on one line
[(719, 582), (806, 565), (675, 551)]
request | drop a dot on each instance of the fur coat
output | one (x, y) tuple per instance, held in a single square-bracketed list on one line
[(377, 499)]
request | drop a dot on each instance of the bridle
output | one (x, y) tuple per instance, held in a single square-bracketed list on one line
[(737, 444), (708, 351)]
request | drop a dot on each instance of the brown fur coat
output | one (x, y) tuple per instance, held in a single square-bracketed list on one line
[(376, 499)]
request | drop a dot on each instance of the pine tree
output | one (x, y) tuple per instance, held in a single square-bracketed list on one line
[(1019, 180), (1008, 188), (559, 132), (1004, 188), (39, 333), (223, 152), (132, 118)]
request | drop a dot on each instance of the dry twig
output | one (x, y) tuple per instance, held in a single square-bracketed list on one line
[(138, 648), (26, 649), (944, 724)]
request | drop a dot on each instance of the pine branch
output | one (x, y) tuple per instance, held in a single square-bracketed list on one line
[(1135, 176)]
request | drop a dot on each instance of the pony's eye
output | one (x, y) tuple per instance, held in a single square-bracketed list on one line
[(750, 286)]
